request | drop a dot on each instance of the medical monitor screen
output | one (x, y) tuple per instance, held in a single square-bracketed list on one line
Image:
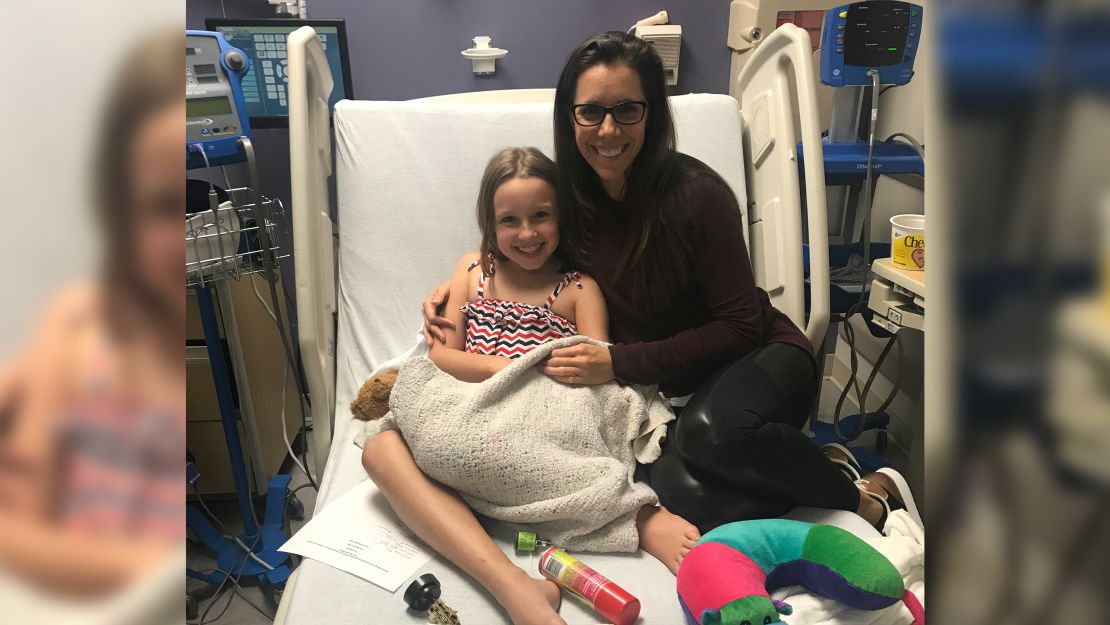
[(202, 107), (265, 89), (876, 33)]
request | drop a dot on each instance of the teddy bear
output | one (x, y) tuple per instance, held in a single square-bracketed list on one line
[(372, 401)]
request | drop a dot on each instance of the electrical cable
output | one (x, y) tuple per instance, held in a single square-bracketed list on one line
[(914, 143), (204, 620), (861, 394), (305, 427), (294, 559), (193, 580), (285, 511), (213, 205), (860, 302), (204, 506), (213, 201), (239, 590), (227, 181), (869, 174), (258, 296), (853, 383), (285, 428), (302, 463), (270, 273), (219, 589), (228, 534), (896, 386), (196, 147), (199, 149), (293, 492), (250, 553), (848, 273)]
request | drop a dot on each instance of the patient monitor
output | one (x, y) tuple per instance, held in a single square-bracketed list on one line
[(215, 115)]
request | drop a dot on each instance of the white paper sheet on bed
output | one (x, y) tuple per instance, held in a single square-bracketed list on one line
[(407, 177)]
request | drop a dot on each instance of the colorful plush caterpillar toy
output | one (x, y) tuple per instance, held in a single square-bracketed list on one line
[(726, 577)]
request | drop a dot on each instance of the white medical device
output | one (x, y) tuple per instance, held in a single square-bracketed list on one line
[(484, 56), (667, 41)]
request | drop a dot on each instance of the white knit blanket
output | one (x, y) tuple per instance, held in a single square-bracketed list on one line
[(525, 449)]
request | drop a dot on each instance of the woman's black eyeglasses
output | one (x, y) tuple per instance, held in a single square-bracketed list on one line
[(625, 113)]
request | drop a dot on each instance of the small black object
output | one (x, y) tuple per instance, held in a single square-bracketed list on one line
[(192, 607), (423, 592), (196, 195), (294, 507)]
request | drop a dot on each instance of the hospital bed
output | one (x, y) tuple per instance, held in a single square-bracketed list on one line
[(406, 177)]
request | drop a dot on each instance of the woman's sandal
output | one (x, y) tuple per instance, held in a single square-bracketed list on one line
[(840, 456), (865, 489), (892, 491)]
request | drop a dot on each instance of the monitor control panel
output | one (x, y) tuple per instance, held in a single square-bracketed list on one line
[(881, 35), (215, 115)]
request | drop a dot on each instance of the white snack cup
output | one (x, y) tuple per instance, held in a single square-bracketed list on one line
[(907, 242)]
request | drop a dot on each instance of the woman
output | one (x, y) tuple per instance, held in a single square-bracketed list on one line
[(665, 243)]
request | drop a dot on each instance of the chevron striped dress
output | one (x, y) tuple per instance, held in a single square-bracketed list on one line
[(498, 327)]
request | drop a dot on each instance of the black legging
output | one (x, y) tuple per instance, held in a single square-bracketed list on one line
[(737, 451)]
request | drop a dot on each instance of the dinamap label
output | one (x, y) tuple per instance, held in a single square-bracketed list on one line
[(907, 242)]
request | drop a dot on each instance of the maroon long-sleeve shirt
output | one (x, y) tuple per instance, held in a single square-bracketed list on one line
[(722, 315)]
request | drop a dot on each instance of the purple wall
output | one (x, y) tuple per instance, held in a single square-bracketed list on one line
[(402, 49)]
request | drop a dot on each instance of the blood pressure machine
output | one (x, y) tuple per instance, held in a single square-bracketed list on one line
[(226, 240), (215, 113), (864, 46)]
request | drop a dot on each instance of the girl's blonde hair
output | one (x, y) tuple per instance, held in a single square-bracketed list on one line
[(523, 162)]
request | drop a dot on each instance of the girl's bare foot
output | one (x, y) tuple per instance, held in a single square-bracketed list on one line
[(666, 536), (530, 601)]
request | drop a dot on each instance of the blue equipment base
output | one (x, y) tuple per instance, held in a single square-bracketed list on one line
[(823, 432), (232, 559), (846, 163)]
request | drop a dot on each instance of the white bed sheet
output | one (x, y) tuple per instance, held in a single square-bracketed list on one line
[(407, 176)]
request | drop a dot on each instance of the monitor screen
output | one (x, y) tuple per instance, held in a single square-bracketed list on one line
[(195, 107), (876, 33), (265, 89)]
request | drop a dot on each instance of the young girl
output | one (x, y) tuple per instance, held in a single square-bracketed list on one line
[(518, 291), (512, 295)]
